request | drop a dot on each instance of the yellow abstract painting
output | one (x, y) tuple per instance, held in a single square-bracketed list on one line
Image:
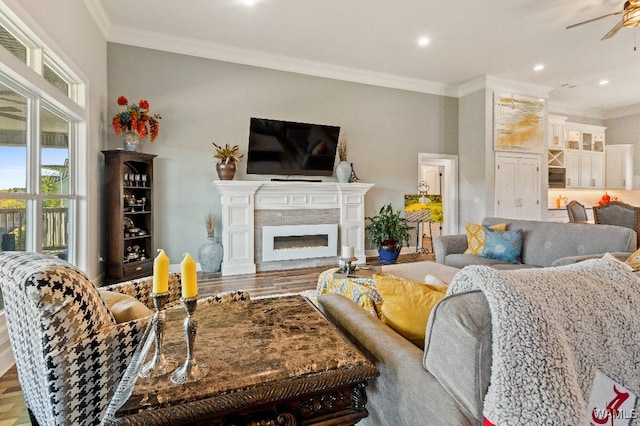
[(518, 123)]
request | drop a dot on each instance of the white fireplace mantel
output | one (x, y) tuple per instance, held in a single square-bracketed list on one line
[(240, 200)]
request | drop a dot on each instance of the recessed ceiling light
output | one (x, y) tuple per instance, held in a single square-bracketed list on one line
[(423, 41), (538, 67), (249, 2), (603, 82)]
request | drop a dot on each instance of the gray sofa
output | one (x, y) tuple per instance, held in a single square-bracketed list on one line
[(543, 244), (398, 395), (445, 384)]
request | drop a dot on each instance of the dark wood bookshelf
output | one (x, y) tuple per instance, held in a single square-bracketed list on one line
[(129, 207)]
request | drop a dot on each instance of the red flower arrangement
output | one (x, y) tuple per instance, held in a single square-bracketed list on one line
[(136, 118)]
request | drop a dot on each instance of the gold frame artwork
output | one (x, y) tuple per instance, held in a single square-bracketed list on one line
[(518, 123)]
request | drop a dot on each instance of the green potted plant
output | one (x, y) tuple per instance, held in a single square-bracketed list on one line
[(227, 158), (388, 231)]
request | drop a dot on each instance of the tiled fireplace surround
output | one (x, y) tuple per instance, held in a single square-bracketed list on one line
[(249, 206)]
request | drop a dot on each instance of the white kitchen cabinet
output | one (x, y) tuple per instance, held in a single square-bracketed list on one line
[(555, 132), (518, 186), (572, 168), (619, 166), (592, 170), (584, 158)]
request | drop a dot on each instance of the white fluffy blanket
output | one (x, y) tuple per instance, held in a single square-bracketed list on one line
[(552, 329)]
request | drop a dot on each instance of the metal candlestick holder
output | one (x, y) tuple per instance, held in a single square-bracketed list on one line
[(347, 265), (190, 371), (159, 365)]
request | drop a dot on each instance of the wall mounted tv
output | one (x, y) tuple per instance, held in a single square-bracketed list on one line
[(288, 148)]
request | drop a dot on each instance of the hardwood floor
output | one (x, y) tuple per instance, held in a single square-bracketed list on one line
[(12, 409)]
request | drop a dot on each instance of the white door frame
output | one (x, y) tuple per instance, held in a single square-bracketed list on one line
[(450, 194)]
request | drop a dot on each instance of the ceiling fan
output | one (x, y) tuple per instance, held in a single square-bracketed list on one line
[(630, 19)]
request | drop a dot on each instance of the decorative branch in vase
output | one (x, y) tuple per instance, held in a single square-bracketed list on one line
[(210, 253), (227, 158), (343, 169)]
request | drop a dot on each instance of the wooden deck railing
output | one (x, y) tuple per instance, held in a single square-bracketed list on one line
[(54, 229)]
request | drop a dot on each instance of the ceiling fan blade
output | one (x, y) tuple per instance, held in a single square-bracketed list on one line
[(613, 31), (595, 19)]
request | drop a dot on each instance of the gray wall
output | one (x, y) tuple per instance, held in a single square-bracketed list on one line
[(204, 101), (475, 158), (625, 130)]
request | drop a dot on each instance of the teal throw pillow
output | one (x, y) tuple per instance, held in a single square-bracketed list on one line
[(503, 245)]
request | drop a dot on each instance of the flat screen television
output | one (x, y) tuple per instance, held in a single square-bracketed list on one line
[(287, 148)]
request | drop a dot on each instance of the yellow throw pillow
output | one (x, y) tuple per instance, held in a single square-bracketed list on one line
[(634, 260), (123, 307), (475, 236), (406, 305)]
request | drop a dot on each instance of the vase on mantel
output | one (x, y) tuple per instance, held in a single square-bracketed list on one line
[(131, 141), (226, 171), (343, 171), (210, 255)]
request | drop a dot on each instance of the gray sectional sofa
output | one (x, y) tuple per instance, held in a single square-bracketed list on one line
[(446, 383), (543, 244)]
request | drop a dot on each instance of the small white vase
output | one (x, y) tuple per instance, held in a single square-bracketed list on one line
[(131, 141), (343, 172)]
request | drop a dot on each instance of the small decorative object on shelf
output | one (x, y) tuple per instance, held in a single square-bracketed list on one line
[(347, 259), (343, 169), (190, 371), (135, 122), (353, 177), (227, 158)]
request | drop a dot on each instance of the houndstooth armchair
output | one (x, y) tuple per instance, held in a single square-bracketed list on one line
[(70, 352)]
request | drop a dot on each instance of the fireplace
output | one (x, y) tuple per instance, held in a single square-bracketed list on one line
[(310, 221), (290, 242)]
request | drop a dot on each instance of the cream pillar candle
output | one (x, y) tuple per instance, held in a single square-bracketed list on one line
[(189, 277), (160, 273), (348, 252)]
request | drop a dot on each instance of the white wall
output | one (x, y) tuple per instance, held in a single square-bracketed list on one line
[(204, 101)]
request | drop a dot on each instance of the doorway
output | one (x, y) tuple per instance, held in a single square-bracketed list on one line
[(440, 171)]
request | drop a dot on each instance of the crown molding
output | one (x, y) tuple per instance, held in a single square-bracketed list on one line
[(99, 15), (193, 47), (623, 111), (564, 109), (496, 83)]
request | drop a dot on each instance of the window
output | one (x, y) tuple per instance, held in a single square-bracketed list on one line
[(38, 142), (12, 44)]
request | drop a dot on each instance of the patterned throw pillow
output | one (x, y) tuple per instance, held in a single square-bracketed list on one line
[(503, 245), (475, 236), (634, 260)]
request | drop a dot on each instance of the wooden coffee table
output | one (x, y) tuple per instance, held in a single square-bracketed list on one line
[(271, 361)]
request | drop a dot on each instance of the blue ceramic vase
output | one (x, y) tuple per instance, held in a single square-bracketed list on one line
[(210, 255)]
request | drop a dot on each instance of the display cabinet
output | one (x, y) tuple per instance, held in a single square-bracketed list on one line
[(128, 222)]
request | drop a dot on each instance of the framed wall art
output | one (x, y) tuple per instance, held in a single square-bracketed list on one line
[(518, 123)]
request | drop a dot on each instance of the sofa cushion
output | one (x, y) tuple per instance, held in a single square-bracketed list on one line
[(462, 260), (476, 236), (406, 305), (457, 348), (544, 242), (123, 307), (503, 245)]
